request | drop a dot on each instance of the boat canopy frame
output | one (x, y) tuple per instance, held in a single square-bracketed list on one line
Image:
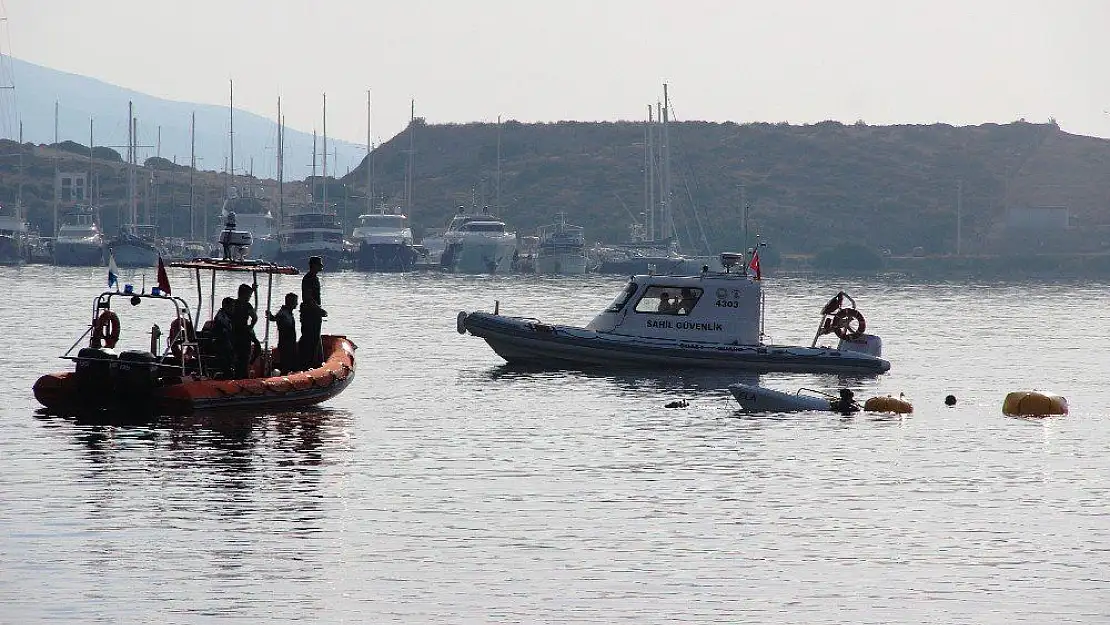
[(253, 267)]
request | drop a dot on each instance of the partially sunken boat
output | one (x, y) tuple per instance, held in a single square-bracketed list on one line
[(711, 320), (185, 376)]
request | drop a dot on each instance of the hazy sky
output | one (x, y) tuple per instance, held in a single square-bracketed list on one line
[(893, 61)]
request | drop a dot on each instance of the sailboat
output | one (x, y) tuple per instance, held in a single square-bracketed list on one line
[(313, 228), (137, 244), (250, 206)]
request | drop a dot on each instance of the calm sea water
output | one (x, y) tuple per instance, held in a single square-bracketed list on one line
[(443, 487)]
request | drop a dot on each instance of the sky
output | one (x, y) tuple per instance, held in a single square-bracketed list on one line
[(883, 62)]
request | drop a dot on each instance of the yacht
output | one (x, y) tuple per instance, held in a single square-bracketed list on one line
[(13, 237), (79, 241), (562, 249), (477, 243), (252, 214), (136, 245), (384, 242), (312, 229)]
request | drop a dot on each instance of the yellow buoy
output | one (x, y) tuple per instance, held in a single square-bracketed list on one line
[(1033, 404), (888, 404)]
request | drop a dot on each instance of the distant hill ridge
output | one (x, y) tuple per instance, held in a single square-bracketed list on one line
[(808, 186)]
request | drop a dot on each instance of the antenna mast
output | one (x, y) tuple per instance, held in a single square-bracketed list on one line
[(325, 152)]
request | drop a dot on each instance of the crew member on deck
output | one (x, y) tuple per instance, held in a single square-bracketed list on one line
[(312, 315), (287, 334), (242, 330)]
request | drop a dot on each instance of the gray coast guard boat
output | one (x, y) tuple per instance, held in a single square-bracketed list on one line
[(711, 320)]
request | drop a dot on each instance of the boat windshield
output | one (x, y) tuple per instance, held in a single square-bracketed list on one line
[(383, 221), (668, 300), (623, 298), (483, 226)]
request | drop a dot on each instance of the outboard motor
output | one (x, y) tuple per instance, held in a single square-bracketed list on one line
[(134, 375), (866, 344), (93, 373), (235, 242)]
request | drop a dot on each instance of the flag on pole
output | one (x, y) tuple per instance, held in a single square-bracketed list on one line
[(754, 265), (163, 279), (113, 271)]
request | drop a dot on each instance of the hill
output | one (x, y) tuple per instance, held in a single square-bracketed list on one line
[(81, 98), (809, 187)]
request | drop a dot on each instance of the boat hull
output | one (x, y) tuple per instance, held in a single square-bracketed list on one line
[(13, 250), (59, 392), (386, 257), (490, 256), (754, 398), (565, 264), (79, 253), (527, 341), (134, 255)]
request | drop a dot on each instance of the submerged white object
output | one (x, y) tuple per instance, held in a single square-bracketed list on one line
[(754, 398)]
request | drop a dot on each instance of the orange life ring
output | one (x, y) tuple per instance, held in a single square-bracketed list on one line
[(834, 304), (106, 329), (177, 337), (849, 324)]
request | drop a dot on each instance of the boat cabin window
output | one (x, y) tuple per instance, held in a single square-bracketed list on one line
[(668, 300), (483, 226), (623, 298), (383, 221)]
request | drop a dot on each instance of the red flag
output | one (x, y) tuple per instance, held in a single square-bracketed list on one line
[(754, 265), (163, 279)]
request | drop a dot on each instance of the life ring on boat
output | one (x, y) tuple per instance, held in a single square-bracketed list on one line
[(848, 324), (834, 304), (460, 322), (106, 330), (181, 330)]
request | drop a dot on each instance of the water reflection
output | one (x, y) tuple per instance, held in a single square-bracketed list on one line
[(228, 442)]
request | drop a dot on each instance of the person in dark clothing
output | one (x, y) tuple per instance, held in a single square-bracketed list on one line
[(312, 316), (846, 404), (219, 331), (287, 334), (242, 330)]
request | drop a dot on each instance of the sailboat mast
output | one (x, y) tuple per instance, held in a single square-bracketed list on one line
[(412, 150), (89, 177), (281, 168), (132, 201), (192, 170), (649, 155), (231, 134), (665, 213), (55, 168), (497, 188), (370, 159), (325, 152)]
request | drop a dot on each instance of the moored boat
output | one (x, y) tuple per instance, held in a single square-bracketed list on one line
[(708, 320), (477, 243), (385, 242), (186, 375), (79, 241), (562, 249)]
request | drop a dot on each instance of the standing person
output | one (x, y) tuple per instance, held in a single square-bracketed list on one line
[(312, 315), (242, 330), (287, 334), (221, 343)]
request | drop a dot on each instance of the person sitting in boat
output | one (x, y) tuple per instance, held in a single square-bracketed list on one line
[(686, 302), (243, 339), (287, 359), (667, 305), (846, 403)]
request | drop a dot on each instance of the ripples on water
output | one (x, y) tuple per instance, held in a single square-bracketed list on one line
[(443, 486)]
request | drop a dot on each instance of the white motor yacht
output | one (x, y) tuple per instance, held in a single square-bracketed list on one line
[(79, 241), (477, 243), (562, 249), (13, 237), (312, 230), (711, 320), (384, 242)]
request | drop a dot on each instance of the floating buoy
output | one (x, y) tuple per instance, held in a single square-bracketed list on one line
[(680, 403), (1034, 404), (896, 405), (950, 400)]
